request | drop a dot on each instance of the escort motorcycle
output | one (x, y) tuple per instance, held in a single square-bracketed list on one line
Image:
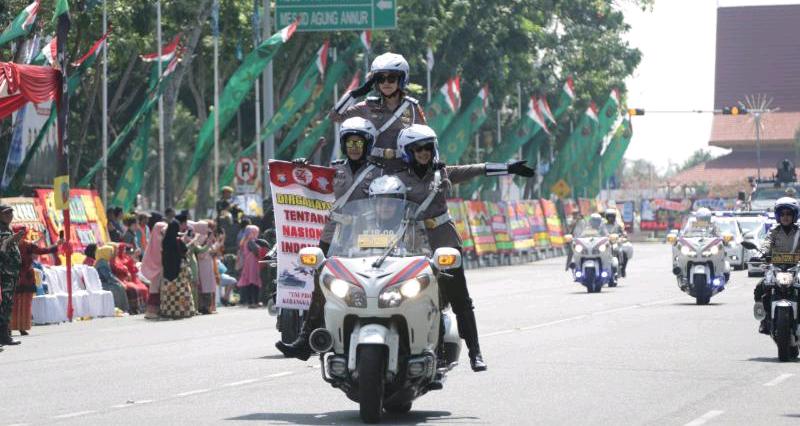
[(782, 290), (593, 263), (699, 262), (386, 340)]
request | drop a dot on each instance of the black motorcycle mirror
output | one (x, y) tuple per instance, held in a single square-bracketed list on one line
[(749, 245)]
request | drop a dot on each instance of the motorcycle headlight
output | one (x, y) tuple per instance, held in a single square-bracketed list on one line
[(685, 250), (352, 294), (714, 250), (602, 248), (578, 248), (784, 279), (394, 295)]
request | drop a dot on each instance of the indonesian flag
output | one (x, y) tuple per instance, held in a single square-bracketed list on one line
[(322, 57), (49, 51), (535, 115), (93, 52), (569, 87), (544, 109), (591, 112), (20, 84), (484, 95), (614, 96), (354, 83), (288, 31), (167, 53), (452, 93), (173, 63), (366, 39), (22, 24)]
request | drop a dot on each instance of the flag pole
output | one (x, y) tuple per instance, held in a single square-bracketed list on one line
[(259, 154), (61, 185), (215, 23), (161, 165), (269, 106), (105, 107)]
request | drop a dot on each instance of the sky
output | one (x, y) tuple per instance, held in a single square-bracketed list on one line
[(677, 39)]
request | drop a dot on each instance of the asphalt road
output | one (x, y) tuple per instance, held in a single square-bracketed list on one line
[(641, 353)]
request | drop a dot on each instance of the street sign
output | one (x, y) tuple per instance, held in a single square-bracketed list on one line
[(561, 188), (246, 175), (337, 15)]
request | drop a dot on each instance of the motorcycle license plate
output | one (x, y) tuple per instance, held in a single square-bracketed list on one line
[(379, 241), (589, 264), (699, 269)]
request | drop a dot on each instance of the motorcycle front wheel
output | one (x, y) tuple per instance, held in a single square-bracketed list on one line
[(783, 335), (371, 374)]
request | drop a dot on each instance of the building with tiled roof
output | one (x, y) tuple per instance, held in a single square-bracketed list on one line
[(757, 56)]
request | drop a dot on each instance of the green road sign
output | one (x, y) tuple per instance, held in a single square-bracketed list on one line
[(337, 15)]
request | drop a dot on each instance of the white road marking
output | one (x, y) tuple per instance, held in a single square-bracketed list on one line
[(132, 403), (194, 392), (285, 373), (705, 418), (239, 383), (548, 324), (497, 333), (77, 414), (776, 381), (319, 416)]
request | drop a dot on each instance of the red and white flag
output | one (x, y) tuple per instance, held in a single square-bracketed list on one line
[(544, 109), (322, 57), (452, 93), (535, 115), (569, 87), (592, 111), (167, 52), (366, 39)]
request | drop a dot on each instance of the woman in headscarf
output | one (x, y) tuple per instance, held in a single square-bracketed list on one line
[(89, 252), (124, 257), (135, 301), (206, 279), (26, 286), (176, 289), (107, 278), (249, 277), (152, 269)]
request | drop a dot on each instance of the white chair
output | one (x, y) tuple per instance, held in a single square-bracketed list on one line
[(101, 302), (80, 297), (50, 308)]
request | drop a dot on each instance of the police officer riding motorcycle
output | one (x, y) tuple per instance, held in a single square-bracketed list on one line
[(428, 183), (391, 110), (351, 182), (623, 249)]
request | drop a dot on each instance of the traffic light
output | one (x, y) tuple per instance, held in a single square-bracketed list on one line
[(635, 111), (734, 110)]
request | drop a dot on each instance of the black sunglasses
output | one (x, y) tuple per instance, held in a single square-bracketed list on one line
[(389, 78), (427, 147)]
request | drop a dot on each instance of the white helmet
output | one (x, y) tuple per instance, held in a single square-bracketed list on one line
[(392, 62), (417, 135), (387, 186), (610, 212), (703, 215), (595, 220), (361, 127), (786, 203)]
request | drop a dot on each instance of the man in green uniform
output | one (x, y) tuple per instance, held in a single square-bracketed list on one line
[(10, 263)]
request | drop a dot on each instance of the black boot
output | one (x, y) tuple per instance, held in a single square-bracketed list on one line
[(763, 327), (468, 329), (623, 266), (300, 348), (5, 336)]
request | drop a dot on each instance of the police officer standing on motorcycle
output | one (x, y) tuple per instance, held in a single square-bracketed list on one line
[(351, 182), (390, 111), (428, 182), (784, 238)]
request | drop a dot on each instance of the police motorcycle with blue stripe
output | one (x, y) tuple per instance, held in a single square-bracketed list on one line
[(593, 262), (699, 260), (778, 308), (386, 340)]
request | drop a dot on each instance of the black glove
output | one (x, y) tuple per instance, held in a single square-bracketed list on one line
[(520, 169), (300, 161), (364, 89)]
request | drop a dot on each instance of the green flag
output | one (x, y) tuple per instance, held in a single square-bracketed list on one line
[(444, 106), (580, 137), (306, 147), (590, 155), (130, 181), (612, 156), (455, 140), (62, 7), (235, 91), (21, 25), (152, 99)]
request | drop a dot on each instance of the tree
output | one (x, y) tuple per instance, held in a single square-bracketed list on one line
[(698, 157)]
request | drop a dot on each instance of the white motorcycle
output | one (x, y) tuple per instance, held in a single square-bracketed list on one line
[(386, 340), (699, 263), (593, 263)]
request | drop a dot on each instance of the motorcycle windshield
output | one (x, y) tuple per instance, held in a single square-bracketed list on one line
[(368, 227)]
